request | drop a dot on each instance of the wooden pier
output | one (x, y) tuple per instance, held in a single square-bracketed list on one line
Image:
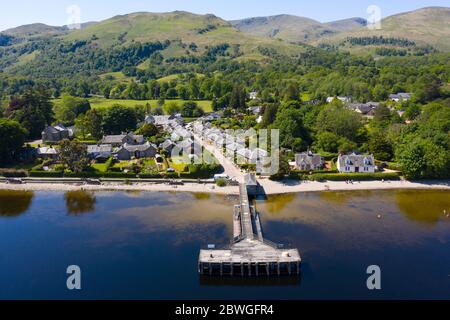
[(249, 254)]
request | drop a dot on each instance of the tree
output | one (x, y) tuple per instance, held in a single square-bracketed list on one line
[(284, 168), (119, 119), (238, 98), (33, 110), (191, 109), (339, 120), (82, 125), (327, 141), (290, 123), (173, 107), (148, 130), (13, 136), (70, 108), (73, 155), (94, 124), (380, 147), (291, 93), (421, 158), (269, 116)]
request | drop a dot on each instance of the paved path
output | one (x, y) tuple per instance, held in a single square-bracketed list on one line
[(230, 168)]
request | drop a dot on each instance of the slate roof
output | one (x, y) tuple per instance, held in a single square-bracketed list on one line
[(357, 160), (103, 148), (308, 158)]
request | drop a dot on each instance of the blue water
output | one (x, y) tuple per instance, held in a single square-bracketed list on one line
[(146, 245)]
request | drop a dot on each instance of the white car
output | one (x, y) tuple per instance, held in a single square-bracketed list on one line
[(221, 177)]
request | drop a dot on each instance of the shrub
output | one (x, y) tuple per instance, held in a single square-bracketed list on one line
[(13, 173), (119, 175), (46, 174), (84, 174), (221, 183), (355, 176), (154, 175)]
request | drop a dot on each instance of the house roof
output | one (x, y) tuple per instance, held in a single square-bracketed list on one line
[(47, 150), (139, 147), (357, 160), (117, 139), (308, 158), (99, 148)]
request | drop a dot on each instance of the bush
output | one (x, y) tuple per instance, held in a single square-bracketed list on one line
[(46, 174), (355, 176), (119, 175), (203, 171), (13, 173), (221, 183), (84, 174), (150, 176)]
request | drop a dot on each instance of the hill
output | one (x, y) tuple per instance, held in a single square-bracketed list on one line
[(203, 30), (286, 27), (346, 24), (426, 26), (35, 29)]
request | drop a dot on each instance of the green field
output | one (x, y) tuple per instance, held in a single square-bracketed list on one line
[(102, 103)]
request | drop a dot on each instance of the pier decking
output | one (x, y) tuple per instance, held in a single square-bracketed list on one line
[(249, 254)]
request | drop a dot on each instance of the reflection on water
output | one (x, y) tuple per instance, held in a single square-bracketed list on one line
[(146, 245), (277, 203), (78, 202), (252, 281), (14, 203), (428, 206)]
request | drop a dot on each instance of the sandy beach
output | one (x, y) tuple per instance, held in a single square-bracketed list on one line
[(270, 187)]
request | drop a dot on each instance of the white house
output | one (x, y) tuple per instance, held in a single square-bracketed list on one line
[(343, 99), (354, 163), (401, 96), (308, 161)]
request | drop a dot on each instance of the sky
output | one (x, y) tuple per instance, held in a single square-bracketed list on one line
[(62, 12)]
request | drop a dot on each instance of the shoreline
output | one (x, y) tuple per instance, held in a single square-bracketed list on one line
[(270, 187)]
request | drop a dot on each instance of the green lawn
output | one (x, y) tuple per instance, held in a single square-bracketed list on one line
[(100, 167), (102, 103)]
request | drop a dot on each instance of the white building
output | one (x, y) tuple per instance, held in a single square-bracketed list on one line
[(354, 163)]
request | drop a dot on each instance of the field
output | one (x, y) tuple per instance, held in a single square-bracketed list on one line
[(102, 103)]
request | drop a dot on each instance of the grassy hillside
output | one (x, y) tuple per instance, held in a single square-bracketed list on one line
[(286, 27), (424, 26), (102, 103), (347, 24), (203, 30), (36, 29)]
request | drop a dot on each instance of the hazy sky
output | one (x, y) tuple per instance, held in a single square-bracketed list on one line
[(19, 12)]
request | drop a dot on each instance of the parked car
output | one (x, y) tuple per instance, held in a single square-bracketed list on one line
[(221, 177)]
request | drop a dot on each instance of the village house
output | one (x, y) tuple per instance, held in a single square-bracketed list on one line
[(343, 99), (47, 153), (255, 110), (253, 95), (121, 139), (252, 156), (400, 97), (366, 109), (128, 151), (308, 161), (167, 146), (54, 134), (165, 120), (354, 163), (99, 152)]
